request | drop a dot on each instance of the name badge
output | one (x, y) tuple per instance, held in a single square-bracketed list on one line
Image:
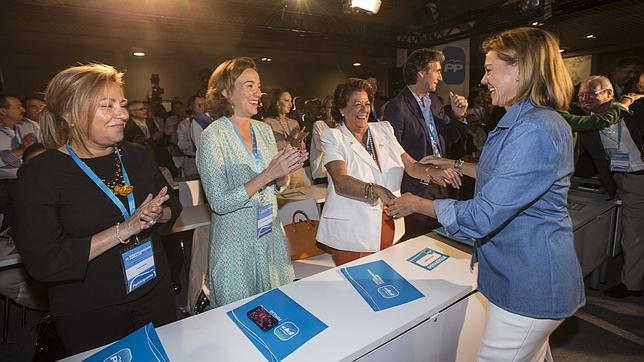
[(619, 162), (138, 265), (264, 220)]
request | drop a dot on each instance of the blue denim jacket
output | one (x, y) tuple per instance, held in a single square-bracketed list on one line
[(527, 260)]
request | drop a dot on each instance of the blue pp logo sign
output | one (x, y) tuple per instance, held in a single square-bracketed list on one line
[(286, 331), (388, 291), (454, 66), (124, 355)]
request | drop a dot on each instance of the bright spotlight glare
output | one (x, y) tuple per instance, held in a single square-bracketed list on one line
[(371, 6)]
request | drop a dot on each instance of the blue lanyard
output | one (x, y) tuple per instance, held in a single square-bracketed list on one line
[(370, 149), (15, 139), (106, 190), (431, 125), (619, 134), (256, 156)]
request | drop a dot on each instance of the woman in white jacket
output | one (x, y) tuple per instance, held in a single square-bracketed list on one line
[(366, 165)]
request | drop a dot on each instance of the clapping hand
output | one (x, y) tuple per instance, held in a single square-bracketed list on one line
[(286, 161), (297, 136), (148, 213)]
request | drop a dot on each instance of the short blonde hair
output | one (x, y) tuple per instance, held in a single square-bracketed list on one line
[(223, 79), (543, 77), (72, 98)]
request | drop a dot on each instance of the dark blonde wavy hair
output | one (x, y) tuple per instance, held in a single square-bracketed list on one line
[(72, 98), (223, 79), (543, 77)]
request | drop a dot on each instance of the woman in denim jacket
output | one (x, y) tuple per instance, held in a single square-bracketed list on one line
[(528, 269)]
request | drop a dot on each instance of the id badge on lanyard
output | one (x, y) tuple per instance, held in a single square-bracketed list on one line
[(138, 264), (619, 160), (265, 208)]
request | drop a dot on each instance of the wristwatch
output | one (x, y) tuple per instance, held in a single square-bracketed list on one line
[(458, 166)]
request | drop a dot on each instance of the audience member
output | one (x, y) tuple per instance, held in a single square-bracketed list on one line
[(418, 126), (318, 171), (33, 109), (96, 213), (625, 162), (378, 102), (176, 115), (627, 73), (241, 172), (189, 131), (527, 265), (287, 131), (366, 165), (15, 136), (143, 130)]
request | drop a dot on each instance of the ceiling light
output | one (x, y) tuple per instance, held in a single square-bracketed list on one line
[(561, 50), (536, 23), (591, 36), (370, 6), (138, 54), (356, 64), (266, 59)]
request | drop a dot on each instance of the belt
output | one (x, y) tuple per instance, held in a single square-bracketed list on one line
[(640, 172), (189, 156)]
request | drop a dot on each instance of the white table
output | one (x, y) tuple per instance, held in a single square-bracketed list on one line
[(428, 329), (191, 218), (316, 192)]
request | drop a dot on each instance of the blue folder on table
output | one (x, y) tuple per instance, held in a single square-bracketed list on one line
[(141, 345), (442, 232), (380, 285), (295, 325)]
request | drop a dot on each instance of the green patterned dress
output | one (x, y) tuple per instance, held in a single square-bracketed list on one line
[(241, 265)]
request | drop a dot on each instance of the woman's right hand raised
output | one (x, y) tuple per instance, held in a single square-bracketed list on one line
[(147, 213), (285, 162)]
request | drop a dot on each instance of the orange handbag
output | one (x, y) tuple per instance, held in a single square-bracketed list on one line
[(301, 237)]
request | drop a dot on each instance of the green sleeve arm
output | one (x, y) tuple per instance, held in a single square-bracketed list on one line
[(596, 121)]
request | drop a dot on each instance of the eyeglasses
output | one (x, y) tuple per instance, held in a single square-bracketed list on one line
[(593, 94)]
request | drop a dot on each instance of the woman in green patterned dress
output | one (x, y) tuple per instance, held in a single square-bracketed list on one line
[(241, 172)]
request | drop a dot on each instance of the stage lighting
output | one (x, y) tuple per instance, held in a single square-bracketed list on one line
[(369, 6)]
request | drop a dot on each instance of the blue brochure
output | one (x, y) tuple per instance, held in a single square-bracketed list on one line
[(442, 232), (380, 285), (141, 345), (286, 325), (428, 258)]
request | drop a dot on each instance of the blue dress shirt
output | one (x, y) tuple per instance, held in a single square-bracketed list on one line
[(527, 261)]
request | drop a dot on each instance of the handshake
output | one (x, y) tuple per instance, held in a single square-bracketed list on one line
[(441, 171)]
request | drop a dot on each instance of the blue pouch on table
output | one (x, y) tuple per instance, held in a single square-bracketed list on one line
[(380, 285), (276, 324), (141, 345)]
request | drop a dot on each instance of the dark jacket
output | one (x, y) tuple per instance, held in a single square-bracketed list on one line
[(406, 117)]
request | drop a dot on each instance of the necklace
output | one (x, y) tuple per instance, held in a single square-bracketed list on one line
[(117, 185)]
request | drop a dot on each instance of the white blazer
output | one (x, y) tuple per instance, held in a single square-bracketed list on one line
[(354, 225)]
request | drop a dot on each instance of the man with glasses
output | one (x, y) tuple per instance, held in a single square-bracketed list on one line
[(622, 157)]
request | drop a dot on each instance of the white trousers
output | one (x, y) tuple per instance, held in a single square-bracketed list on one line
[(512, 337)]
